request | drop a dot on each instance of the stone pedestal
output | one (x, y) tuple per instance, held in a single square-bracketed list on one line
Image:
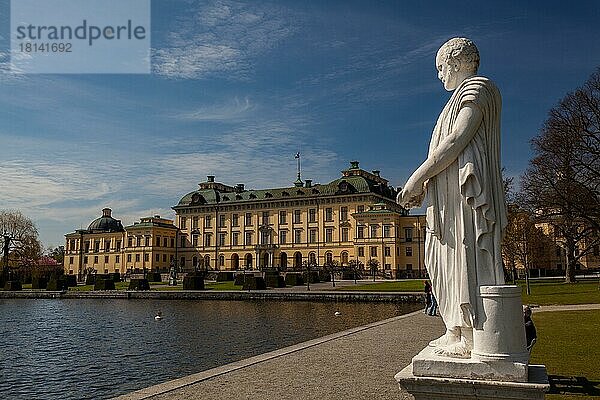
[(434, 388), (429, 364), (502, 338), (498, 367)]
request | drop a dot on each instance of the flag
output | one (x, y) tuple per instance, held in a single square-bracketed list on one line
[(297, 155)]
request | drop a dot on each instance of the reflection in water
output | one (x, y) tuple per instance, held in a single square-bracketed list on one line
[(96, 349)]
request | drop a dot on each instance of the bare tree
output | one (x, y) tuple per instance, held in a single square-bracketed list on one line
[(562, 183), (20, 244)]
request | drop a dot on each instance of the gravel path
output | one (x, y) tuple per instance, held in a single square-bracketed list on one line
[(356, 364)]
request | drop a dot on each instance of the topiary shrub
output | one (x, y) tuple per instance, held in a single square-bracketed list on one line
[(293, 279), (254, 283), (314, 276), (55, 284), (39, 282), (193, 282), (115, 276), (274, 280), (349, 275), (139, 284), (69, 280), (239, 279), (153, 277), (324, 276), (104, 284), (223, 276), (13, 286), (90, 279)]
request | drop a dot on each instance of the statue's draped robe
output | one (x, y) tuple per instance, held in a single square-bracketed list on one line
[(466, 212)]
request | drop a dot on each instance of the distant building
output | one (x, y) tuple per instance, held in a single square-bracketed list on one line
[(106, 246), (354, 217)]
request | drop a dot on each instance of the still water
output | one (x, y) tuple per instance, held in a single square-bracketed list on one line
[(97, 349)]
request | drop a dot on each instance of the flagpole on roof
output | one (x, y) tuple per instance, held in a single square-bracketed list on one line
[(299, 179)]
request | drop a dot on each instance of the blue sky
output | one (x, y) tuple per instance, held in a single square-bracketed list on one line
[(237, 88)]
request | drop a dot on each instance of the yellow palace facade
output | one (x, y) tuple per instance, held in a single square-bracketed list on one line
[(354, 217)]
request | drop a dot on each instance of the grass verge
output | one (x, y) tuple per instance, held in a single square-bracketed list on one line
[(415, 285), (567, 345)]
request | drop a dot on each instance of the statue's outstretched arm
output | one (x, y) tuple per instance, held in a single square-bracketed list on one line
[(465, 127)]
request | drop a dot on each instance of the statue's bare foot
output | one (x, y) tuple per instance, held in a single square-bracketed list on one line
[(447, 339), (456, 350)]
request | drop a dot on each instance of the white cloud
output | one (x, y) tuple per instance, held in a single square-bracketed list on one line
[(232, 110), (221, 38)]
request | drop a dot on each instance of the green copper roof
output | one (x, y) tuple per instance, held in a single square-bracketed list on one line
[(343, 186)]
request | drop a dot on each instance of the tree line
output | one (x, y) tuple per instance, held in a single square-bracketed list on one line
[(559, 198)]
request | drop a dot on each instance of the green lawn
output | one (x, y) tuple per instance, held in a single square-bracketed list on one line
[(567, 345), (415, 285), (227, 285), (556, 292)]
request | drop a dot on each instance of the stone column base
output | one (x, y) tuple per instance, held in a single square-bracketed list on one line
[(433, 388)]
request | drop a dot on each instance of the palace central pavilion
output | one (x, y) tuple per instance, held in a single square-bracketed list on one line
[(354, 217)]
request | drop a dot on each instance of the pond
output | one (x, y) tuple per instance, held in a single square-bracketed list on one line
[(101, 348)]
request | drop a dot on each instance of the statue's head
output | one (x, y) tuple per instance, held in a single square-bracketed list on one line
[(455, 61)]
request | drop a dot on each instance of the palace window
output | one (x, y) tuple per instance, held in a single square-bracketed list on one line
[(146, 257), (360, 232), (329, 235), (248, 219), (70, 260), (386, 231), (409, 267), (107, 246), (297, 218), (147, 241), (157, 257), (235, 237), (345, 234), (207, 240), (297, 236), (361, 251), (183, 222), (221, 239), (117, 259), (221, 260), (388, 252), (128, 257), (312, 235), (312, 215), (195, 240), (373, 251), (360, 209), (282, 218), (248, 238), (265, 218), (182, 245), (344, 213), (195, 223), (129, 241), (282, 237), (221, 221), (165, 242), (105, 259), (96, 246), (408, 234), (234, 220), (329, 214), (374, 231), (408, 251), (137, 258), (207, 221)]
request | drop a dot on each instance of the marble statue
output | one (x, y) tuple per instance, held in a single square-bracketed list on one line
[(461, 184)]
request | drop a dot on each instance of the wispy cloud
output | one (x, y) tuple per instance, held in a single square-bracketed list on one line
[(221, 38), (230, 111)]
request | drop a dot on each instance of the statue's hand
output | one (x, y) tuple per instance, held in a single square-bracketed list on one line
[(411, 195)]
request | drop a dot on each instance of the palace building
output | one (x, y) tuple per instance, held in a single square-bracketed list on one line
[(106, 246), (354, 217)]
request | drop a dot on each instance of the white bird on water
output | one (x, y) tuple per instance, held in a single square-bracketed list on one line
[(337, 313), (158, 316)]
